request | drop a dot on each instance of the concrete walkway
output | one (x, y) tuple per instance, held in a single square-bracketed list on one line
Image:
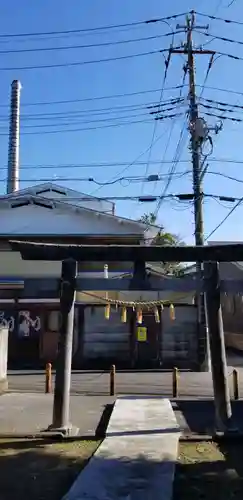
[(136, 461)]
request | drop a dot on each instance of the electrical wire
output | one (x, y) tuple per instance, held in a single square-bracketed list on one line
[(180, 197), (218, 89), (156, 123), (210, 64), (96, 165), (171, 127), (80, 122), (218, 108), (172, 169), (68, 130), (75, 116), (223, 117), (222, 38), (94, 98), (117, 164), (82, 63), (216, 18), (134, 162), (93, 29), (129, 179), (87, 46), (150, 105), (224, 219), (223, 103)]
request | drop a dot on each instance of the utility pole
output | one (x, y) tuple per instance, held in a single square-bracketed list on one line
[(188, 49)]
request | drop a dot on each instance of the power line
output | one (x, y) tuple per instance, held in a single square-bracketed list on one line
[(224, 219), (95, 165), (93, 29), (218, 108), (94, 98), (112, 125), (80, 122), (118, 164), (172, 126), (211, 61), (172, 169), (134, 162), (223, 103), (222, 38), (216, 18), (150, 107), (218, 89), (82, 63), (183, 197), (167, 62), (223, 117), (87, 46), (129, 179)]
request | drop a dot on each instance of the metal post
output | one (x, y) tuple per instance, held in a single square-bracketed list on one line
[(48, 384), (61, 407), (175, 377), (235, 384), (217, 345), (112, 380)]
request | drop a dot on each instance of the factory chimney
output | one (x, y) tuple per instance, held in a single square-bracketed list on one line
[(13, 149)]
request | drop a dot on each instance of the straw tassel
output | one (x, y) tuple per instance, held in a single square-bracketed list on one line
[(107, 311), (172, 312), (124, 315), (139, 316), (156, 315)]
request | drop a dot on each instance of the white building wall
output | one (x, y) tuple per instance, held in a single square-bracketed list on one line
[(11, 266)]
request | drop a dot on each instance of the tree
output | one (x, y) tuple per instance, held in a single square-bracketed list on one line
[(164, 238)]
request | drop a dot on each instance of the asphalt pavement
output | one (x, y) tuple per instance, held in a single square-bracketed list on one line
[(31, 413), (191, 384), (146, 382)]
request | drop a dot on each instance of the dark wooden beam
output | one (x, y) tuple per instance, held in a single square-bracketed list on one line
[(114, 253)]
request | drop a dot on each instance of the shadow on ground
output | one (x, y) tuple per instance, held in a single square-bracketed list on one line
[(44, 470), (40, 469), (198, 416), (209, 478)]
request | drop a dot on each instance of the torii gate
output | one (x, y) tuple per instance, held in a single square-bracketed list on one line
[(210, 285)]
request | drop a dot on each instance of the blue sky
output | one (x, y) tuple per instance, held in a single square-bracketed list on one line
[(121, 144)]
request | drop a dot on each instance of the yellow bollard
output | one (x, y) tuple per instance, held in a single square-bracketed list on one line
[(235, 384), (175, 377), (48, 387), (112, 380)]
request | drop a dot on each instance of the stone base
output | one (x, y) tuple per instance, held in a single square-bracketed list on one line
[(3, 385), (66, 431)]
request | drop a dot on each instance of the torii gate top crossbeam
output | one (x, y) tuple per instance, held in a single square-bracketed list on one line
[(119, 253)]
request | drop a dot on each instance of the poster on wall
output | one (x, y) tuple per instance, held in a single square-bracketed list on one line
[(24, 324), (141, 334)]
